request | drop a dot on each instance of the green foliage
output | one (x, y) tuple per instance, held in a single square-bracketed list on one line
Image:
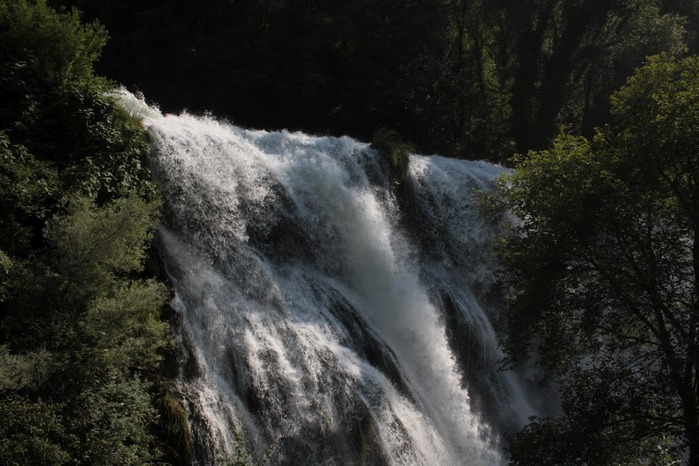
[(28, 191), (602, 271), (29, 370), (113, 418), (101, 331), (57, 49), (658, 115), (107, 147), (570, 56), (126, 328), (176, 426), (31, 433), (395, 152), (466, 78), (80, 328), (43, 54), (93, 245), (56, 108), (5, 265)]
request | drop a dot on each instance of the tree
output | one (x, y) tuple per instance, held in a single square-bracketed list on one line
[(602, 268), (80, 328), (570, 55), (83, 396)]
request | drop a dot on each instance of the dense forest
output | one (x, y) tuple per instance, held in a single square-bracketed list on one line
[(81, 335), (464, 78), (603, 268)]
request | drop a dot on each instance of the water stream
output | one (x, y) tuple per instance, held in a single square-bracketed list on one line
[(322, 321)]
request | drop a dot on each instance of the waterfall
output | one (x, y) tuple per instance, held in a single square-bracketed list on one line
[(321, 321)]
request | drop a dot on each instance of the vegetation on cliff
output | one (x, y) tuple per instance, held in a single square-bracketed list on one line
[(80, 327)]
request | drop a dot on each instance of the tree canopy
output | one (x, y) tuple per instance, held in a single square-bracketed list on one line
[(81, 337), (602, 266), (463, 78)]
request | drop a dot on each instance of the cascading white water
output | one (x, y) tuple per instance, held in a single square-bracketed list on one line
[(321, 322)]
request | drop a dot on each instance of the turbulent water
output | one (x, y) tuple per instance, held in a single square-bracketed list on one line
[(322, 321)]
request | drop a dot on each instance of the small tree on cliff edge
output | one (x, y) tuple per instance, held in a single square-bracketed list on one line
[(602, 271)]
